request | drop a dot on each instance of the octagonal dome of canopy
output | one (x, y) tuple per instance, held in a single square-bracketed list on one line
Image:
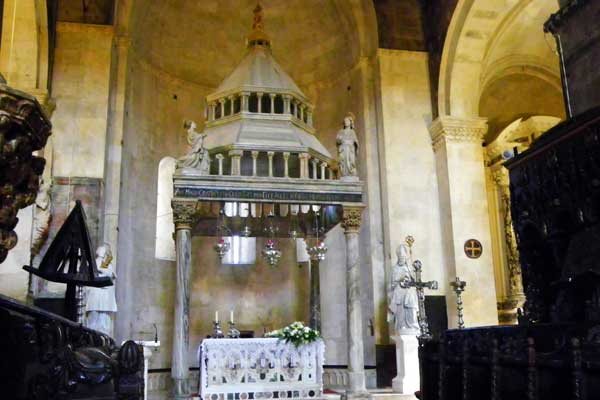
[(258, 70), (260, 108)]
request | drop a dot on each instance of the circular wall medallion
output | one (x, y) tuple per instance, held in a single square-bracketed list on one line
[(473, 248)]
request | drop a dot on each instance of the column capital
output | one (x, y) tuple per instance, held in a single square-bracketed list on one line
[(500, 176), (351, 218), (452, 129), (184, 213), (234, 153)]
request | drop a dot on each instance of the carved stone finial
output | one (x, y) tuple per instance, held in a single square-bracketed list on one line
[(351, 218), (258, 36), (258, 16)]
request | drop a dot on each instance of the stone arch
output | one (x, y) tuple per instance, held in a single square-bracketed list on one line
[(480, 47)]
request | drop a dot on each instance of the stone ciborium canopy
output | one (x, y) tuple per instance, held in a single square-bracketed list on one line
[(259, 164), (265, 159)]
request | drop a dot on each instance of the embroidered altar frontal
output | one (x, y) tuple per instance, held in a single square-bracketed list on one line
[(247, 369)]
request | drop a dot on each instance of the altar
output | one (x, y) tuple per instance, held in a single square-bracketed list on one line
[(232, 369)]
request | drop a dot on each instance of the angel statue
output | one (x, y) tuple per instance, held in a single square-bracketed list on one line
[(198, 156), (101, 304), (347, 143), (403, 303)]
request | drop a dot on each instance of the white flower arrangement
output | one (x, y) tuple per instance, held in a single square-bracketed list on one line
[(296, 333)]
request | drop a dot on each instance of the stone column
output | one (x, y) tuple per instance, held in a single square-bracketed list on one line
[(314, 162), (211, 111), (231, 105), (272, 96), (457, 143), (356, 374), (245, 97), (259, 95), (183, 217), (236, 162), (286, 104), (509, 284), (286, 169), (323, 169), (304, 165), (309, 117), (220, 158), (254, 166), (222, 106), (271, 154), (315, 295)]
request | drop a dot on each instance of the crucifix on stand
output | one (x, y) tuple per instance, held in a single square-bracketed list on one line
[(420, 286)]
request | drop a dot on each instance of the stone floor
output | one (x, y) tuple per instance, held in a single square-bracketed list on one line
[(378, 394)]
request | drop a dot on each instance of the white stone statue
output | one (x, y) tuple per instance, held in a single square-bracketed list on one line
[(101, 304), (197, 157), (41, 229), (347, 143), (403, 303), (41, 218)]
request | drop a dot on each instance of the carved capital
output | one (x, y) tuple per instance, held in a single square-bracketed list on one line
[(500, 177), (351, 218), (184, 213), (450, 129)]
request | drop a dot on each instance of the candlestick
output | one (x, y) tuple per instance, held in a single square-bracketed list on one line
[(216, 316), (231, 316), (232, 332), (459, 286), (217, 331)]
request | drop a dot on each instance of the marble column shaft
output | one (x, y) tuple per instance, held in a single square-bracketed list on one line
[(183, 218), (315, 295), (356, 374)]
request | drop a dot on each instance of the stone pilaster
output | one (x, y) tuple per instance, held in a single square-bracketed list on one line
[(351, 220), (457, 143), (183, 217)]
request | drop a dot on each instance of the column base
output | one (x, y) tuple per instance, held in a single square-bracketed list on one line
[(181, 389)]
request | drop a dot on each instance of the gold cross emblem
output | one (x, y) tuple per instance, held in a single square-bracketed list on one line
[(473, 248)]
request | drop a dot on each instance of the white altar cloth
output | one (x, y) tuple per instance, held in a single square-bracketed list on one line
[(242, 369)]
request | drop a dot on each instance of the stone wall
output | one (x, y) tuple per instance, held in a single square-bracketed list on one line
[(80, 86), (410, 173)]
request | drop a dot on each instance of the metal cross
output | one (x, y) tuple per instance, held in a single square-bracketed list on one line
[(420, 286)]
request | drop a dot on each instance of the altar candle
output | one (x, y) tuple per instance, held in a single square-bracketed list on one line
[(231, 316), (216, 316)]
